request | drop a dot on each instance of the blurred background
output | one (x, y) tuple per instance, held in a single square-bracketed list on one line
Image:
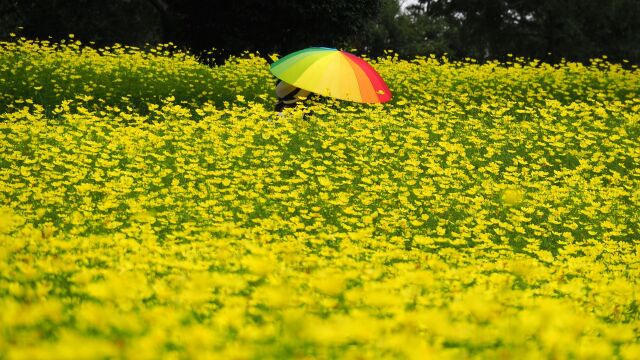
[(548, 30)]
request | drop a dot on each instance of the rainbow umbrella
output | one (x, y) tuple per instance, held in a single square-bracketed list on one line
[(334, 73)]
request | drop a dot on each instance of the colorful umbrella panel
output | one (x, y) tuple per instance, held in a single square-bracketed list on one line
[(334, 73)]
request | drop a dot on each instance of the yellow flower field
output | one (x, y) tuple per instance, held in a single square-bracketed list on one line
[(153, 207)]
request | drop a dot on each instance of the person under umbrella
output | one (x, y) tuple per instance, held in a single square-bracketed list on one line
[(288, 95), (327, 72)]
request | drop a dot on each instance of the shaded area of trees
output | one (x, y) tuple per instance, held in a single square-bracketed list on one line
[(132, 22), (542, 29), (231, 27), (481, 29), (271, 26)]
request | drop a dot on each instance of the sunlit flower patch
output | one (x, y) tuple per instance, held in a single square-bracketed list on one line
[(154, 207)]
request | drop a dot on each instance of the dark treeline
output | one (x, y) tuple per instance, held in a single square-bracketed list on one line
[(482, 29)]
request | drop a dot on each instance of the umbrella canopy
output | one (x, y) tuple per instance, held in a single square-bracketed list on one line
[(334, 73)]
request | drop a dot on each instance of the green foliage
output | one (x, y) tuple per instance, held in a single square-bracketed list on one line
[(549, 30), (270, 26), (123, 78), (133, 22), (128, 79), (544, 29)]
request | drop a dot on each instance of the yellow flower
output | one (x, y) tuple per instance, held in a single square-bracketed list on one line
[(155, 207), (512, 196)]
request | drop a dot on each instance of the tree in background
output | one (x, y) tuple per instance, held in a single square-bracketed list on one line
[(543, 29), (407, 33), (271, 26), (585, 29), (483, 29), (232, 27), (134, 22)]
